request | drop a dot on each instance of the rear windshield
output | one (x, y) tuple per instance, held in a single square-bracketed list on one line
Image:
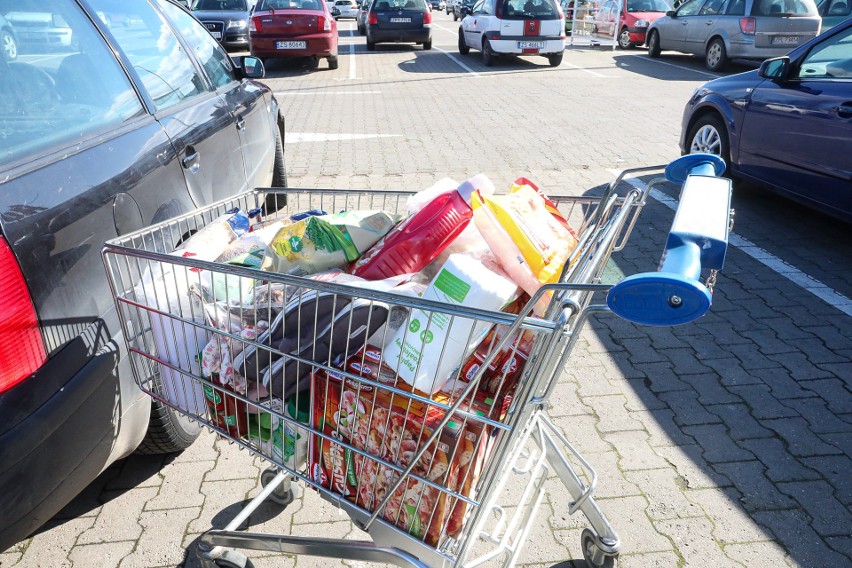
[(783, 8), (648, 6), (237, 5), (530, 10), (418, 5), (265, 5)]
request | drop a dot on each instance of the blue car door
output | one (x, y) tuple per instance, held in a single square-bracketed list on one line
[(796, 134)]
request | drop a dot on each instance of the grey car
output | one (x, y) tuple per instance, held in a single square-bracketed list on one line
[(721, 30), (226, 20)]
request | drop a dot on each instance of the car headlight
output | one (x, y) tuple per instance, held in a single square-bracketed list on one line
[(641, 24), (238, 24)]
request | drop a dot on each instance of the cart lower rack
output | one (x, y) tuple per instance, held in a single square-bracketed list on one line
[(292, 369)]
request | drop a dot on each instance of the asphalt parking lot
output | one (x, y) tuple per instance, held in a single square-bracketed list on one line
[(725, 442)]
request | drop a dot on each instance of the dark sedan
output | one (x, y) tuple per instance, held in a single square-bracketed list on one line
[(226, 20), (786, 125), (462, 8), (399, 21), (139, 123)]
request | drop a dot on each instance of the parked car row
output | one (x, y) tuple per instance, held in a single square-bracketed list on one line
[(136, 116)]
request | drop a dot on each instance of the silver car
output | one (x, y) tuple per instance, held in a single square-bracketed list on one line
[(722, 30)]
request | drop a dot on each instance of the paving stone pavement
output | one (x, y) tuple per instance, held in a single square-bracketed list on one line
[(725, 442)]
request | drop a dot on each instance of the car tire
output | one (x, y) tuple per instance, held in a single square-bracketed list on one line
[(654, 44), (9, 46), (332, 62), (455, 16), (279, 166), (709, 135), (371, 45), (717, 56), (555, 59), (168, 431), (427, 45), (463, 47), (624, 39), (487, 53)]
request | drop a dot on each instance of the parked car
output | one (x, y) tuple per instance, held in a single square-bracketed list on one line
[(8, 40), (346, 9), (722, 30), (462, 8), (361, 18), (37, 27), (628, 20), (293, 28), (448, 6), (437, 4), (226, 20), (131, 127), (833, 12), (786, 125), (399, 21), (516, 27)]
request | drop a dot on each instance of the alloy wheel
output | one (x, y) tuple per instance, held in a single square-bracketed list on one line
[(706, 140)]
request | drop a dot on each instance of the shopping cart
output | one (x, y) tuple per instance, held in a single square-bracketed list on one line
[(453, 478)]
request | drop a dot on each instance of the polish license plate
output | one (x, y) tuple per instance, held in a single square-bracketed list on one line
[(785, 40), (291, 44), (217, 35), (530, 44), (400, 20)]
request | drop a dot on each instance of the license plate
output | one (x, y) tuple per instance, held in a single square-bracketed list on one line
[(530, 44), (217, 35), (785, 40), (400, 20), (291, 44)]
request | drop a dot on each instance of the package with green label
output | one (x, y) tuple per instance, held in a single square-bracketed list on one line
[(323, 242), (426, 351)]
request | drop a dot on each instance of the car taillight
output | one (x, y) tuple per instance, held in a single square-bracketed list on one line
[(373, 19), (323, 24), (21, 346), (255, 25), (748, 25), (427, 17)]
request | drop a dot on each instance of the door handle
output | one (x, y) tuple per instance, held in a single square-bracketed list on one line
[(845, 110), (710, 23), (241, 123), (192, 160)]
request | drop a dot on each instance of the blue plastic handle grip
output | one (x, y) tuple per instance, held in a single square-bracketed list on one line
[(698, 239)]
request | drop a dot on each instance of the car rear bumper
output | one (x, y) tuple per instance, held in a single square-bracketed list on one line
[(745, 48), (513, 45), (414, 36), (318, 45)]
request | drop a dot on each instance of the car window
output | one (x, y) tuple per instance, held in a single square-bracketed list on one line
[(736, 8), (266, 5), (162, 64), (213, 58), (689, 8), (64, 84), (831, 59), (419, 5), (238, 5), (783, 8), (529, 10), (648, 6), (835, 7), (711, 8)]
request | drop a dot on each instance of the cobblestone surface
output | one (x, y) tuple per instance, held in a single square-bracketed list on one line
[(721, 443)]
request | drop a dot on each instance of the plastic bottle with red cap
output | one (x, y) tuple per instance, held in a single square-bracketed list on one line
[(420, 238)]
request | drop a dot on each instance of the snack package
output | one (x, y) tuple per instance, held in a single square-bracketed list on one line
[(209, 241), (505, 369), (319, 243), (530, 242)]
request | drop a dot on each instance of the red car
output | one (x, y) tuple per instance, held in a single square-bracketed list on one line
[(632, 18), (293, 28)]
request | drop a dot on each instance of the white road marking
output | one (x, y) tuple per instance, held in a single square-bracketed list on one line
[(453, 32), (806, 282), (294, 137), (352, 55), (589, 71), (456, 60), (318, 94), (646, 58)]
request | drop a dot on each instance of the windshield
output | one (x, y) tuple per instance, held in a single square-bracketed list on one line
[(236, 5), (529, 10), (648, 6)]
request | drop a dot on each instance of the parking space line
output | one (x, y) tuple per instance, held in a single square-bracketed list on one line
[(458, 62), (352, 55), (805, 281), (453, 32), (646, 58), (319, 94), (296, 137), (589, 71)]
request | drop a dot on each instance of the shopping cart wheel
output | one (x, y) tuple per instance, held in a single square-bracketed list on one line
[(285, 493), (594, 555), (232, 559)]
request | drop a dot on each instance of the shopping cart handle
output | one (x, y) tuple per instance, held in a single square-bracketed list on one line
[(698, 240)]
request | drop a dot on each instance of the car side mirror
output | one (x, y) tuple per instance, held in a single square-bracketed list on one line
[(671, 14), (465, 10), (251, 67), (776, 69)]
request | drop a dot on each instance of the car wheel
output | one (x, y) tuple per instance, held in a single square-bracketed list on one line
[(9, 46), (332, 62), (717, 57), (463, 47), (371, 46), (709, 136), (455, 16), (654, 44), (279, 166), (169, 431), (555, 59), (624, 39), (427, 45), (487, 53)]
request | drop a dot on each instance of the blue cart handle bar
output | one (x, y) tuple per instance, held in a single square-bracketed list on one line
[(698, 240)]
